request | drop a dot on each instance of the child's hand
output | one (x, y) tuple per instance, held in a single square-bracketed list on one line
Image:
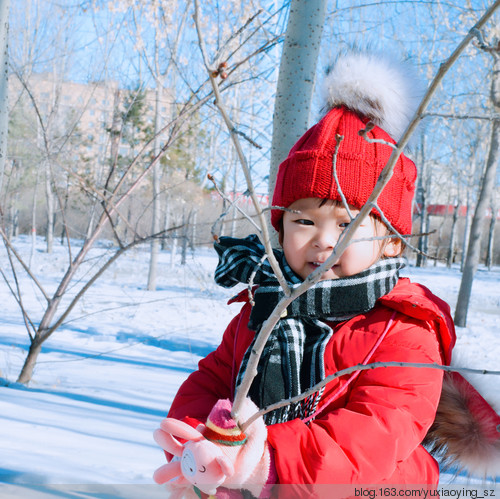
[(218, 453)]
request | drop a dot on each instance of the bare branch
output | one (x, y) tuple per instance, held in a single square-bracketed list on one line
[(232, 204), (263, 224), (18, 297), (364, 133), (361, 367), (484, 117), (238, 32), (264, 229), (395, 233), (247, 138), (288, 210), (98, 274), (23, 264), (338, 140), (252, 277)]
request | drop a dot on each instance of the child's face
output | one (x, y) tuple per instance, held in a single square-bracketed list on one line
[(308, 239)]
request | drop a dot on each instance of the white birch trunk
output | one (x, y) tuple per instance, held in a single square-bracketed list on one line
[(4, 65), (296, 79), (155, 223), (173, 250)]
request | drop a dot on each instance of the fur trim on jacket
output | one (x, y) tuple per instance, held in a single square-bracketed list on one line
[(466, 431)]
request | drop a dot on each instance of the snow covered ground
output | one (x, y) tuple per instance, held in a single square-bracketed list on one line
[(107, 377)]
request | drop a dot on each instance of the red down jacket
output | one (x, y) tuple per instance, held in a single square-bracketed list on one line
[(370, 434)]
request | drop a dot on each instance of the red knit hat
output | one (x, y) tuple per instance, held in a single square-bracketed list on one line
[(361, 88)]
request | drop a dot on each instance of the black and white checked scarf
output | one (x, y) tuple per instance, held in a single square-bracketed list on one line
[(293, 359)]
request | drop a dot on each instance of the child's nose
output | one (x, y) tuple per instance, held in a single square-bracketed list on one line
[(326, 239)]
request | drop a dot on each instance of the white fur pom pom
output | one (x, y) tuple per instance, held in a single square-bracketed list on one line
[(385, 91)]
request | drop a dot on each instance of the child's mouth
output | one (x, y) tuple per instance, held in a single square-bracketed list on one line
[(316, 264)]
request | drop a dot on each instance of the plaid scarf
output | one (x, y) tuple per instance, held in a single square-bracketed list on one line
[(293, 358)]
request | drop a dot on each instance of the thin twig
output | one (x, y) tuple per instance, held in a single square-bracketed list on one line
[(361, 367), (99, 272), (232, 204), (364, 133), (218, 101), (288, 210), (395, 233), (252, 277), (23, 264), (238, 32), (17, 297), (263, 224), (247, 138), (338, 140), (464, 116)]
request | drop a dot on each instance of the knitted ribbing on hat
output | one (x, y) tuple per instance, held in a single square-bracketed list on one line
[(308, 170)]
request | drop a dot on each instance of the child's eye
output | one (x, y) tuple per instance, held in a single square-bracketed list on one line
[(304, 221), (344, 224)]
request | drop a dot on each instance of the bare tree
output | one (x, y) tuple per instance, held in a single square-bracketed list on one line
[(487, 185), (122, 177)]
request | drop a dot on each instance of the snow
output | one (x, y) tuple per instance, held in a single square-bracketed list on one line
[(105, 380)]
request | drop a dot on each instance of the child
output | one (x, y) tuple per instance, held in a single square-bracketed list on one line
[(364, 428)]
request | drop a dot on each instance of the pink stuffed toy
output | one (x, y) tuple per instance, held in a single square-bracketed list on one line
[(217, 453)]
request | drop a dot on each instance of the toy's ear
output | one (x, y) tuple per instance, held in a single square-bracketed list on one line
[(167, 442), (226, 465), (180, 429)]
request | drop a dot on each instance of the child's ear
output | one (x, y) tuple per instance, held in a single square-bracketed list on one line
[(392, 247)]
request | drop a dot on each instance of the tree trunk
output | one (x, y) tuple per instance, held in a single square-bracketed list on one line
[(166, 224), (438, 244), (173, 249), (487, 185), (33, 224), (49, 234), (491, 237), (296, 79), (465, 242), (155, 223), (29, 364), (4, 68), (14, 217), (473, 251), (192, 239), (64, 229), (423, 192), (423, 241), (185, 236), (453, 236)]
